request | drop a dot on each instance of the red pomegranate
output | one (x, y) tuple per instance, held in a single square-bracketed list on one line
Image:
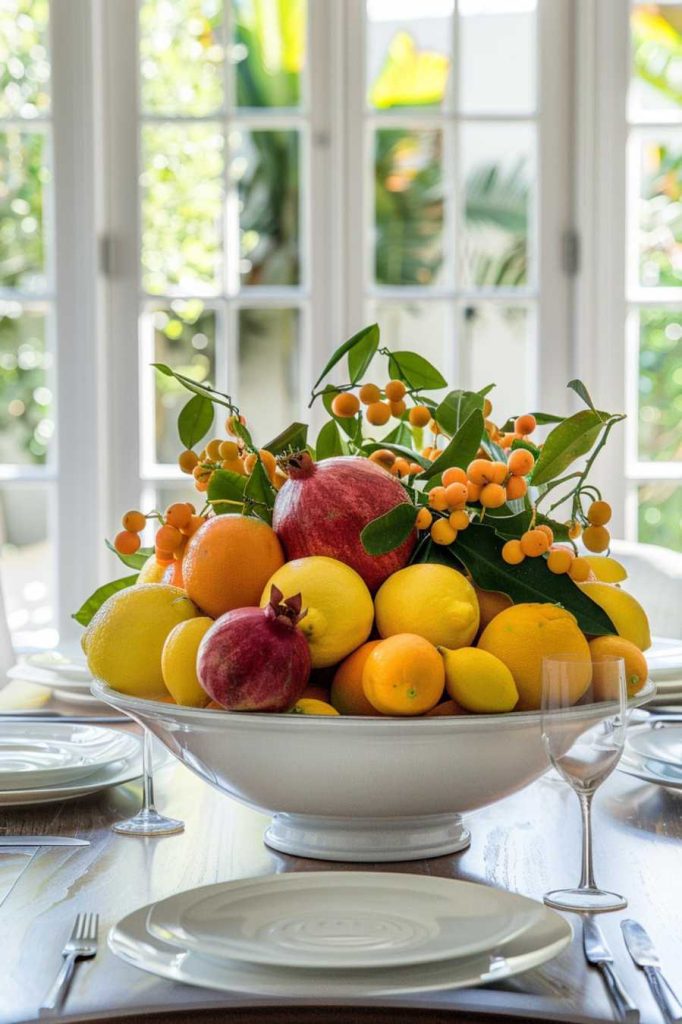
[(256, 659), (324, 506)]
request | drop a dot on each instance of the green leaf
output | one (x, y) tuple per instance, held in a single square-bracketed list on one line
[(195, 420), (87, 611), (528, 445), (191, 385), (484, 392), (260, 490), (329, 442), (480, 550), (371, 331), (566, 443), (582, 392), (135, 561), (456, 407), (400, 435), (507, 523), (361, 355), (461, 449), (415, 371), (440, 554), (294, 437), (389, 531), (243, 432), (226, 491), (399, 449)]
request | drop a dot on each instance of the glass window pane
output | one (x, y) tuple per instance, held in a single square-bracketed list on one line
[(184, 338), (498, 348), (409, 52), (26, 564), (181, 56), (498, 174), (660, 514), (26, 415), (660, 385), (409, 207), (24, 63), (265, 168), (23, 176), (424, 327), (660, 210), (182, 208), (269, 52), (656, 86), (497, 56), (269, 361)]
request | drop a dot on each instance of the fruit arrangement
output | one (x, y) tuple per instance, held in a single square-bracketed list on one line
[(410, 561)]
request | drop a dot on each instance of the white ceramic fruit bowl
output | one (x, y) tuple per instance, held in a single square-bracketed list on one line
[(356, 789)]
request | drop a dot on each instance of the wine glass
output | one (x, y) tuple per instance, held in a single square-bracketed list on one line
[(584, 748), (148, 821)]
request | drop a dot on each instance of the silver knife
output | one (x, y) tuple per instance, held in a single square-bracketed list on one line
[(599, 954), (641, 949), (42, 841)]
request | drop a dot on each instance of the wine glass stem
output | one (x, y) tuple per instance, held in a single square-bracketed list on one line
[(587, 874), (147, 768)]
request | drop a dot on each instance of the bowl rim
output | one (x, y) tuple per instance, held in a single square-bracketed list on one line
[(144, 706)]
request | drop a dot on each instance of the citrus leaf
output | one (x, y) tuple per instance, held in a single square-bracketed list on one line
[(371, 331), (226, 491), (523, 442), (135, 561), (87, 611), (401, 435), (461, 449), (260, 490), (195, 420), (361, 355), (191, 385), (582, 392), (415, 371), (480, 550), (293, 437), (566, 443), (390, 530), (329, 442), (456, 407)]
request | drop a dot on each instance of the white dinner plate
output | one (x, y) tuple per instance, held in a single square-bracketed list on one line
[(664, 745), (656, 772), (36, 755), (112, 775), (60, 663), (78, 697), (131, 940), (329, 919), (47, 677)]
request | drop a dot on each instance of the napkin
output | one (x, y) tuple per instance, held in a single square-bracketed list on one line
[(18, 695)]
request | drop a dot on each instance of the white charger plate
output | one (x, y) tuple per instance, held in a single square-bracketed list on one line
[(663, 745), (131, 940), (36, 755), (329, 919), (656, 772), (47, 677), (78, 697), (113, 775), (55, 661)]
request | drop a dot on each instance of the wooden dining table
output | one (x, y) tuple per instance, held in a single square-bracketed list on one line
[(527, 843)]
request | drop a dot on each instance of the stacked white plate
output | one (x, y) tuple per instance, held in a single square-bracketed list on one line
[(654, 754), (664, 659), (336, 934), (41, 762), (68, 677)]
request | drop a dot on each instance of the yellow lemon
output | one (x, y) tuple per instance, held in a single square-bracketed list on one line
[(151, 571), (521, 636), (311, 706), (636, 668), (339, 606), (124, 640), (478, 681), (179, 661), (433, 601), (606, 569), (626, 613)]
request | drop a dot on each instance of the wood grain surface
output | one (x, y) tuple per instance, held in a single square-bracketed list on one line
[(528, 843)]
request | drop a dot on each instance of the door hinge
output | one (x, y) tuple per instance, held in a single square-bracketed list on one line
[(570, 252)]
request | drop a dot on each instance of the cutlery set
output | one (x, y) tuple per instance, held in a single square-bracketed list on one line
[(642, 952)]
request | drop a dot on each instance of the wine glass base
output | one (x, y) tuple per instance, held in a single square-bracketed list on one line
[(149, 823), (593, 901)]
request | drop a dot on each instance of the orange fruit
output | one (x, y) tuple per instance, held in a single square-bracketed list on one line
[(446, 707), (559, 560), (491, 603), (419, 416), (316, 691), (398, 409), (442, 532), (424, 519), (579, 570), (454, 475), (525, 424), (378, 413), (383, 457), (369, 393), (228, 561), (345, 405), (534, 543), (134, 521), (636, 668), (520, 462), (492, 496), (513, 553), (516, 487), (127, 542), (404, 675), (599, 513), (596, 538), (395, 390), (347, 694), (187, 460)]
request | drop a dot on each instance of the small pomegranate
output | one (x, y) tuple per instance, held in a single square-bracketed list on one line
[(324, 506), (256, 659)]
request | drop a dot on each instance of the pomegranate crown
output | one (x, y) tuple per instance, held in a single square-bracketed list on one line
[(297, 465), (287, 613)]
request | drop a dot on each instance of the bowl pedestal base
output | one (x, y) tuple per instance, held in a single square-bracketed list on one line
[(367, 839)]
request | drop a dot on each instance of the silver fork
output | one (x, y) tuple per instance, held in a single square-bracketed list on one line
[(81, 945)]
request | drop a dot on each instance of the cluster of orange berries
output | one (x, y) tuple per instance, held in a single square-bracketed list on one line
[(595, 536), (231, 455), (523, 426), (179, 522), (380, 405), (449, 498), (538, 541), (396, 465)]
